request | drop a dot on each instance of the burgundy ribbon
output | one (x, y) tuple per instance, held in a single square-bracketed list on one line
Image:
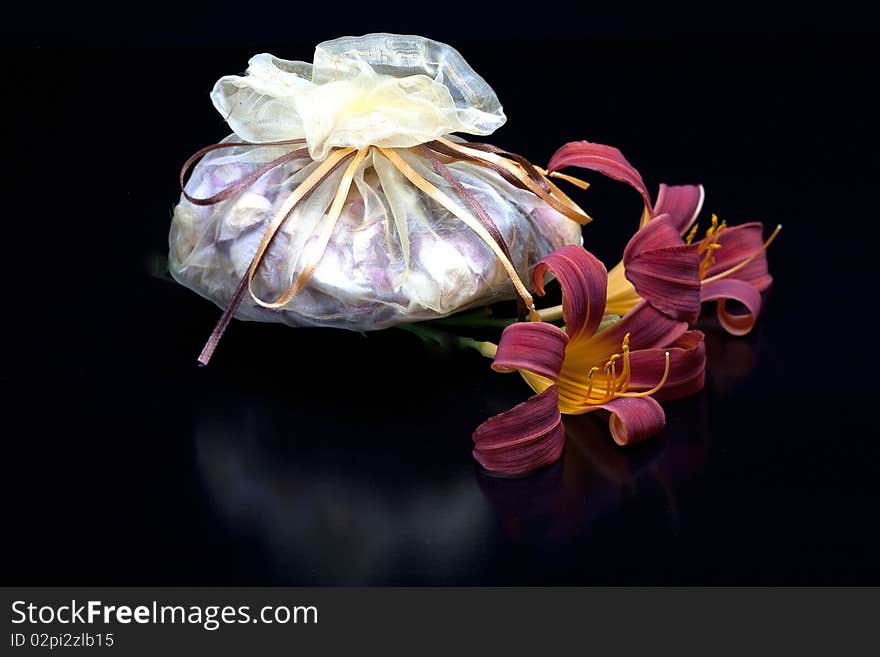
[(430, 150)]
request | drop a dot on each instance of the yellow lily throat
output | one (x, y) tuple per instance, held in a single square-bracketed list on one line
[(616, 385), (605, 383)]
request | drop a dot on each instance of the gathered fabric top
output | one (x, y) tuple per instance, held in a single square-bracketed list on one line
[(385, 90)]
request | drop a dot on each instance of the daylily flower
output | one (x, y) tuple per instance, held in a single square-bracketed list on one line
[(619, 369), (736, 269), (673, 274)]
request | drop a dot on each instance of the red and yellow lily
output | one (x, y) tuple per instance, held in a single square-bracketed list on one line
[(582, 369), (659, 263)]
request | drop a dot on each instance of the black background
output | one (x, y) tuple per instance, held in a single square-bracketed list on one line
[(324, 457)]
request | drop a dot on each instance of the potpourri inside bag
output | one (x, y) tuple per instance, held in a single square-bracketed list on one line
[(343, 200)]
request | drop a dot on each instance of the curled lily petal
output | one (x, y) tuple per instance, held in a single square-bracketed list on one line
[(668, 279), (737, 244), (745, 293), (682, 202), (664, 270), (522, 439), (687, 367), (606, 160), (531, 434), (532, 346), (660, 233), (584, 283), (648, 328), (634, 419)]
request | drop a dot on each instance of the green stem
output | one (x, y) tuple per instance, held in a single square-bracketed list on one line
[(429, 335), (489, 322), (446, 340), (480, 318), (486, 349), (550, 314)]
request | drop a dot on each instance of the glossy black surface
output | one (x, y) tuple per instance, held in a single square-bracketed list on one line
[(323, 457)]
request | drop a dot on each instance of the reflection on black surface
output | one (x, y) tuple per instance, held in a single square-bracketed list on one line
[(321, 520), (730, 358), (591, 479)]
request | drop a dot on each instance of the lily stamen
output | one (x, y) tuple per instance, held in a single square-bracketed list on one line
[(656, 388), (605, 395), (610, 365), (615, 384), (712, 233), (626, 368), (609, 392), (745, 262), (593, 370), (708, 259), (708, 245)]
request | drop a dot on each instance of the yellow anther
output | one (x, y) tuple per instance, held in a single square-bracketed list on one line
[(624, 376), (712, 234), (691, 235), (713, 226)]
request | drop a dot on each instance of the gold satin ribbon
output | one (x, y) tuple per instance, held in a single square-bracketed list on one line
[(468, 219), (555, 198), (320, 246), (577, 182)]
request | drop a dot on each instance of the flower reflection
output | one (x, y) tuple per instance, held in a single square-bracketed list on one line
[(733, 358), (595, 478)]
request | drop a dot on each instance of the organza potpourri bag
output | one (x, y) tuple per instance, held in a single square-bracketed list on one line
[(343, 199)]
